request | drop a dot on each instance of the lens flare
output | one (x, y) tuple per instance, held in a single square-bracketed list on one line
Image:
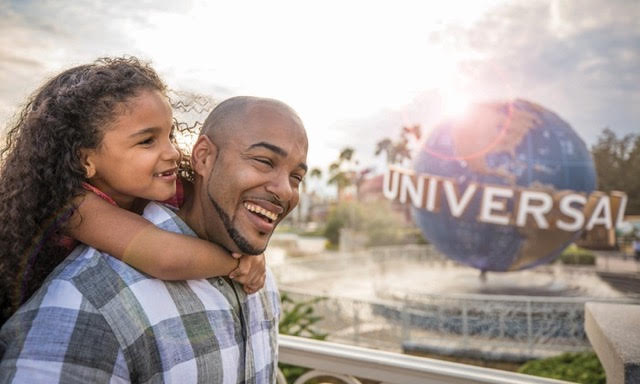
[(504, 126)]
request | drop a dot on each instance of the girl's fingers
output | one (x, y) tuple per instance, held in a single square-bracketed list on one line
[(235, 273), (249, 289), (240, 273), (258, 282)]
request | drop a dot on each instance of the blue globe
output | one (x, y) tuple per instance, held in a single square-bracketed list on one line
[(516, 144)]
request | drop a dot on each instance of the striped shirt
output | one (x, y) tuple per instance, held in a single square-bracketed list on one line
[(98, 320)]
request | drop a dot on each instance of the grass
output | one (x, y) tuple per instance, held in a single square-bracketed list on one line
[(578, 367)]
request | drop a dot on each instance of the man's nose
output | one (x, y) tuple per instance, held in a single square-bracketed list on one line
[(280, 187)]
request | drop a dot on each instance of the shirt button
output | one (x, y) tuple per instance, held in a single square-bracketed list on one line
[(220, 282)]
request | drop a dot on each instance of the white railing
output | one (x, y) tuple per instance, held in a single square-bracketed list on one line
[(495, 327), (350, 364)]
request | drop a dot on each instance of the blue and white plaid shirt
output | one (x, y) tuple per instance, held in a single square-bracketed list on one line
[(97, 320)]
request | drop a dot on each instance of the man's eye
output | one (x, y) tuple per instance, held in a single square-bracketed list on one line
[(264, 161), (297, 179)]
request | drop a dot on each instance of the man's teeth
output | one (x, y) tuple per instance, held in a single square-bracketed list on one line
[(262, 211)]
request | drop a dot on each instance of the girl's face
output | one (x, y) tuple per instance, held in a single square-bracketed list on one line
[(136, 158)]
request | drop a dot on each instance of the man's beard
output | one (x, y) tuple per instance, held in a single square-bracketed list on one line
[(243, 244)]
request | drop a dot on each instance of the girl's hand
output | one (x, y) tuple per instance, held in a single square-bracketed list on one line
[(251, 272)]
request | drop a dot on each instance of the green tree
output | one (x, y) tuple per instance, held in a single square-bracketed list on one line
[(346, 154), (375, 219), (341, 172), (400, 151), (343, 215), (617, 163), (315, 173), (397, 152)]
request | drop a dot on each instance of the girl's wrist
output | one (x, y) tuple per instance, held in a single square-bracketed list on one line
[(232, 275)]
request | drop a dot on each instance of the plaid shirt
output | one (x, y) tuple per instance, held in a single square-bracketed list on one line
[(97, 320)]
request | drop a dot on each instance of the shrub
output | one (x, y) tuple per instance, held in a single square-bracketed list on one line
[(574, 255), (581, 367), (377, 220), (298, 319)]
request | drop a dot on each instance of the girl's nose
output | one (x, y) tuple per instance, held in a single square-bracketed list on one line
[(171, 152)]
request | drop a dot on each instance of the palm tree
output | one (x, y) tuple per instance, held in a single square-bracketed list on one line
[(346, 154), (398, 151), (314, 173), (340, 176), (385, 145)]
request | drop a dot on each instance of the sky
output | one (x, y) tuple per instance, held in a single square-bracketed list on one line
[(356, 71)]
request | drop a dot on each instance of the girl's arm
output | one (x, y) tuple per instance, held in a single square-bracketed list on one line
[(251, 273), (162, 254)]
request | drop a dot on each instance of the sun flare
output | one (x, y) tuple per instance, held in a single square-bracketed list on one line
[(455, 104)]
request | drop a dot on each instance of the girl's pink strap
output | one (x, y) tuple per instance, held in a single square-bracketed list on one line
[(98, 192)]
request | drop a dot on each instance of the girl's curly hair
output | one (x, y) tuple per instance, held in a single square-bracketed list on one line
[(41, 170)]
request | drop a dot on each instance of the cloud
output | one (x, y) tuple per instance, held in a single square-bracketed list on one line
[(579, 59), (355, 77), (38, 39)]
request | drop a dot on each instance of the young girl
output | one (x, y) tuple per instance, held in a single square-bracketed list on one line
[(93, 140)]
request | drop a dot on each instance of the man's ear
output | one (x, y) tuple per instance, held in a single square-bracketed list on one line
[(203, 155), (87, 161)]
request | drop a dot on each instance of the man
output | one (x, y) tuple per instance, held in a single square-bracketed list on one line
[(98, 320)]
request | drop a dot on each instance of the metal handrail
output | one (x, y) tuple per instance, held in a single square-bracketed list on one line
[(347, 363)]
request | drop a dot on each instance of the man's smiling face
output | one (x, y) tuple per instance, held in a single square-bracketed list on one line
[(253, 182)]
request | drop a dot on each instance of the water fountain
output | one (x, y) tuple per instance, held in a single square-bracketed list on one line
[(412, 298)]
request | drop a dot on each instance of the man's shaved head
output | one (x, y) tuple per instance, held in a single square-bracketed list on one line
[(249, 161), (234, 113)]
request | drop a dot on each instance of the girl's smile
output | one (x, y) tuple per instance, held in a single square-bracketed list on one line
[(136, 158)]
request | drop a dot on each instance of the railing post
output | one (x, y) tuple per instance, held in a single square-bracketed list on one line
[(356, 323), (406, 320), (502, 324), (529, 327), (440, 318), (465, 324)]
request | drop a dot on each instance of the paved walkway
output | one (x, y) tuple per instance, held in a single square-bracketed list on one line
[(616, 262), (619, 271)]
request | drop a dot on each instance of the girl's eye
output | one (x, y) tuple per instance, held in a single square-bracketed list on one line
[(148, 141)]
